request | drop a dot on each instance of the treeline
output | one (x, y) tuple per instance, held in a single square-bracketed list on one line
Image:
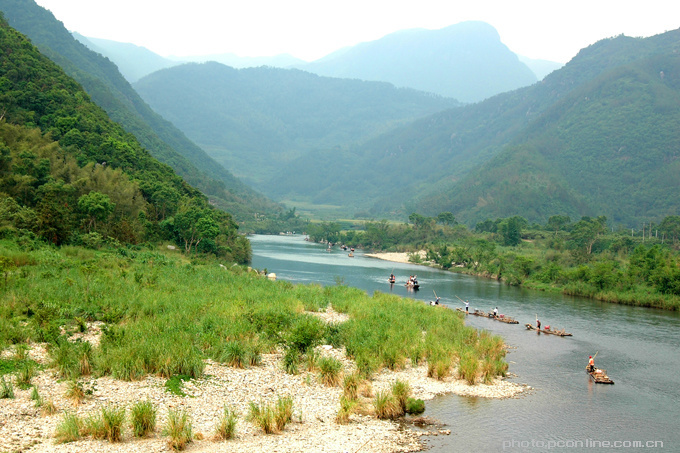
[(585, 257), (70, 175)]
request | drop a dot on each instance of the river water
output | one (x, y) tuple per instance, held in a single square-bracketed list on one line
[(565, 411)]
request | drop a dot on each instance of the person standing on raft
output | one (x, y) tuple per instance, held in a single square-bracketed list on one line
[(591, 364)]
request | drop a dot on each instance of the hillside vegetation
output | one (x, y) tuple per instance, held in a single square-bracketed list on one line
[(256, 120), (71, 175), (107, 88)]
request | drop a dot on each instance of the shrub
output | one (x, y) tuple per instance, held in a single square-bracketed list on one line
[(283, 412), (306, 333), (143, 418), (113, 419), (226, 426), (68, 430), (178, 428), (329, 371), (415, 406)]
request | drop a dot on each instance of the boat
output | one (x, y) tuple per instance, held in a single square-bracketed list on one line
[(501, 318), (351, 254), (559, 333), (410, 285), (599, 376), (392, 280)]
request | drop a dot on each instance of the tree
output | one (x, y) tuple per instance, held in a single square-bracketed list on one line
[(97, 207), (446, 218), (586, 232), (193, 224), (511, 230), (556, 222), (670, 226)]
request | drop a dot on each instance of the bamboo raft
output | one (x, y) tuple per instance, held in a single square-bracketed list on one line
[(599, 376), (501, 318), (559, 333)]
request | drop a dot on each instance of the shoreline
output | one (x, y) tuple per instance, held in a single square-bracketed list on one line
[(315, 406)]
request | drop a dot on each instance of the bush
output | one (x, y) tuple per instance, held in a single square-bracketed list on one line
[(143, 418), (415, 406), (226, 426), (306, 333), (178, 428)]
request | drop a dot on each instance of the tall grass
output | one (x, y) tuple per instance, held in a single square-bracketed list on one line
[(165, 316), (178, 428), (226, 425), (143, 418), (113, 419), (262, 416), (329, 371), (68, 429)]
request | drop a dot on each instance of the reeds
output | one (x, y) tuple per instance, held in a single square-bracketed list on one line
[(68, 429)]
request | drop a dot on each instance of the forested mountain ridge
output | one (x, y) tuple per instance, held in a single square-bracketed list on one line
[(107, 87), (256, 120), (96, 183), (465, 61), (428, 163)]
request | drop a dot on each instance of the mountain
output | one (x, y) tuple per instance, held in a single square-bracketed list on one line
[(70, 175), (107, 87), (599, 136), (233, 60), (609, 145), (255, 120), (466, 61), (133, 62), (540, 68)]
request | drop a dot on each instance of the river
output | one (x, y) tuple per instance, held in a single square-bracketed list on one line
[(565, 411)]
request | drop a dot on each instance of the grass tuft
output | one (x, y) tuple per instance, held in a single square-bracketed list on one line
[(178, 429), (329, 371), (226, 425), (143, 418), (68, 429)]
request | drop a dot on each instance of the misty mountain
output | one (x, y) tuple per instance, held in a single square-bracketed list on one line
[(599, 136), (466, 61), (134, 62), (107, 87), (256, 120), (233, 60), (540, 68)]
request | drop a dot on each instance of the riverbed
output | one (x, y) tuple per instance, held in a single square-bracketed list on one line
[(638, 347)]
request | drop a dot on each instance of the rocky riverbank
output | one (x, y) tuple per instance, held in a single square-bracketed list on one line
[(24, 428)]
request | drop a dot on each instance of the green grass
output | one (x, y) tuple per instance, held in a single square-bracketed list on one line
[(68, 429), (226, 425), (143, 418), (330, 370), (178, 428), (164, 316)]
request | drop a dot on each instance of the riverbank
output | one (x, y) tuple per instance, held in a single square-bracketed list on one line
[(24, 428), (397, 257)]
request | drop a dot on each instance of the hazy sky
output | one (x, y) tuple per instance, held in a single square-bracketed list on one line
[(309, 29)]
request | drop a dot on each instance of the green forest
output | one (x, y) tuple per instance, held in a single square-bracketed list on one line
[(70, 175)]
